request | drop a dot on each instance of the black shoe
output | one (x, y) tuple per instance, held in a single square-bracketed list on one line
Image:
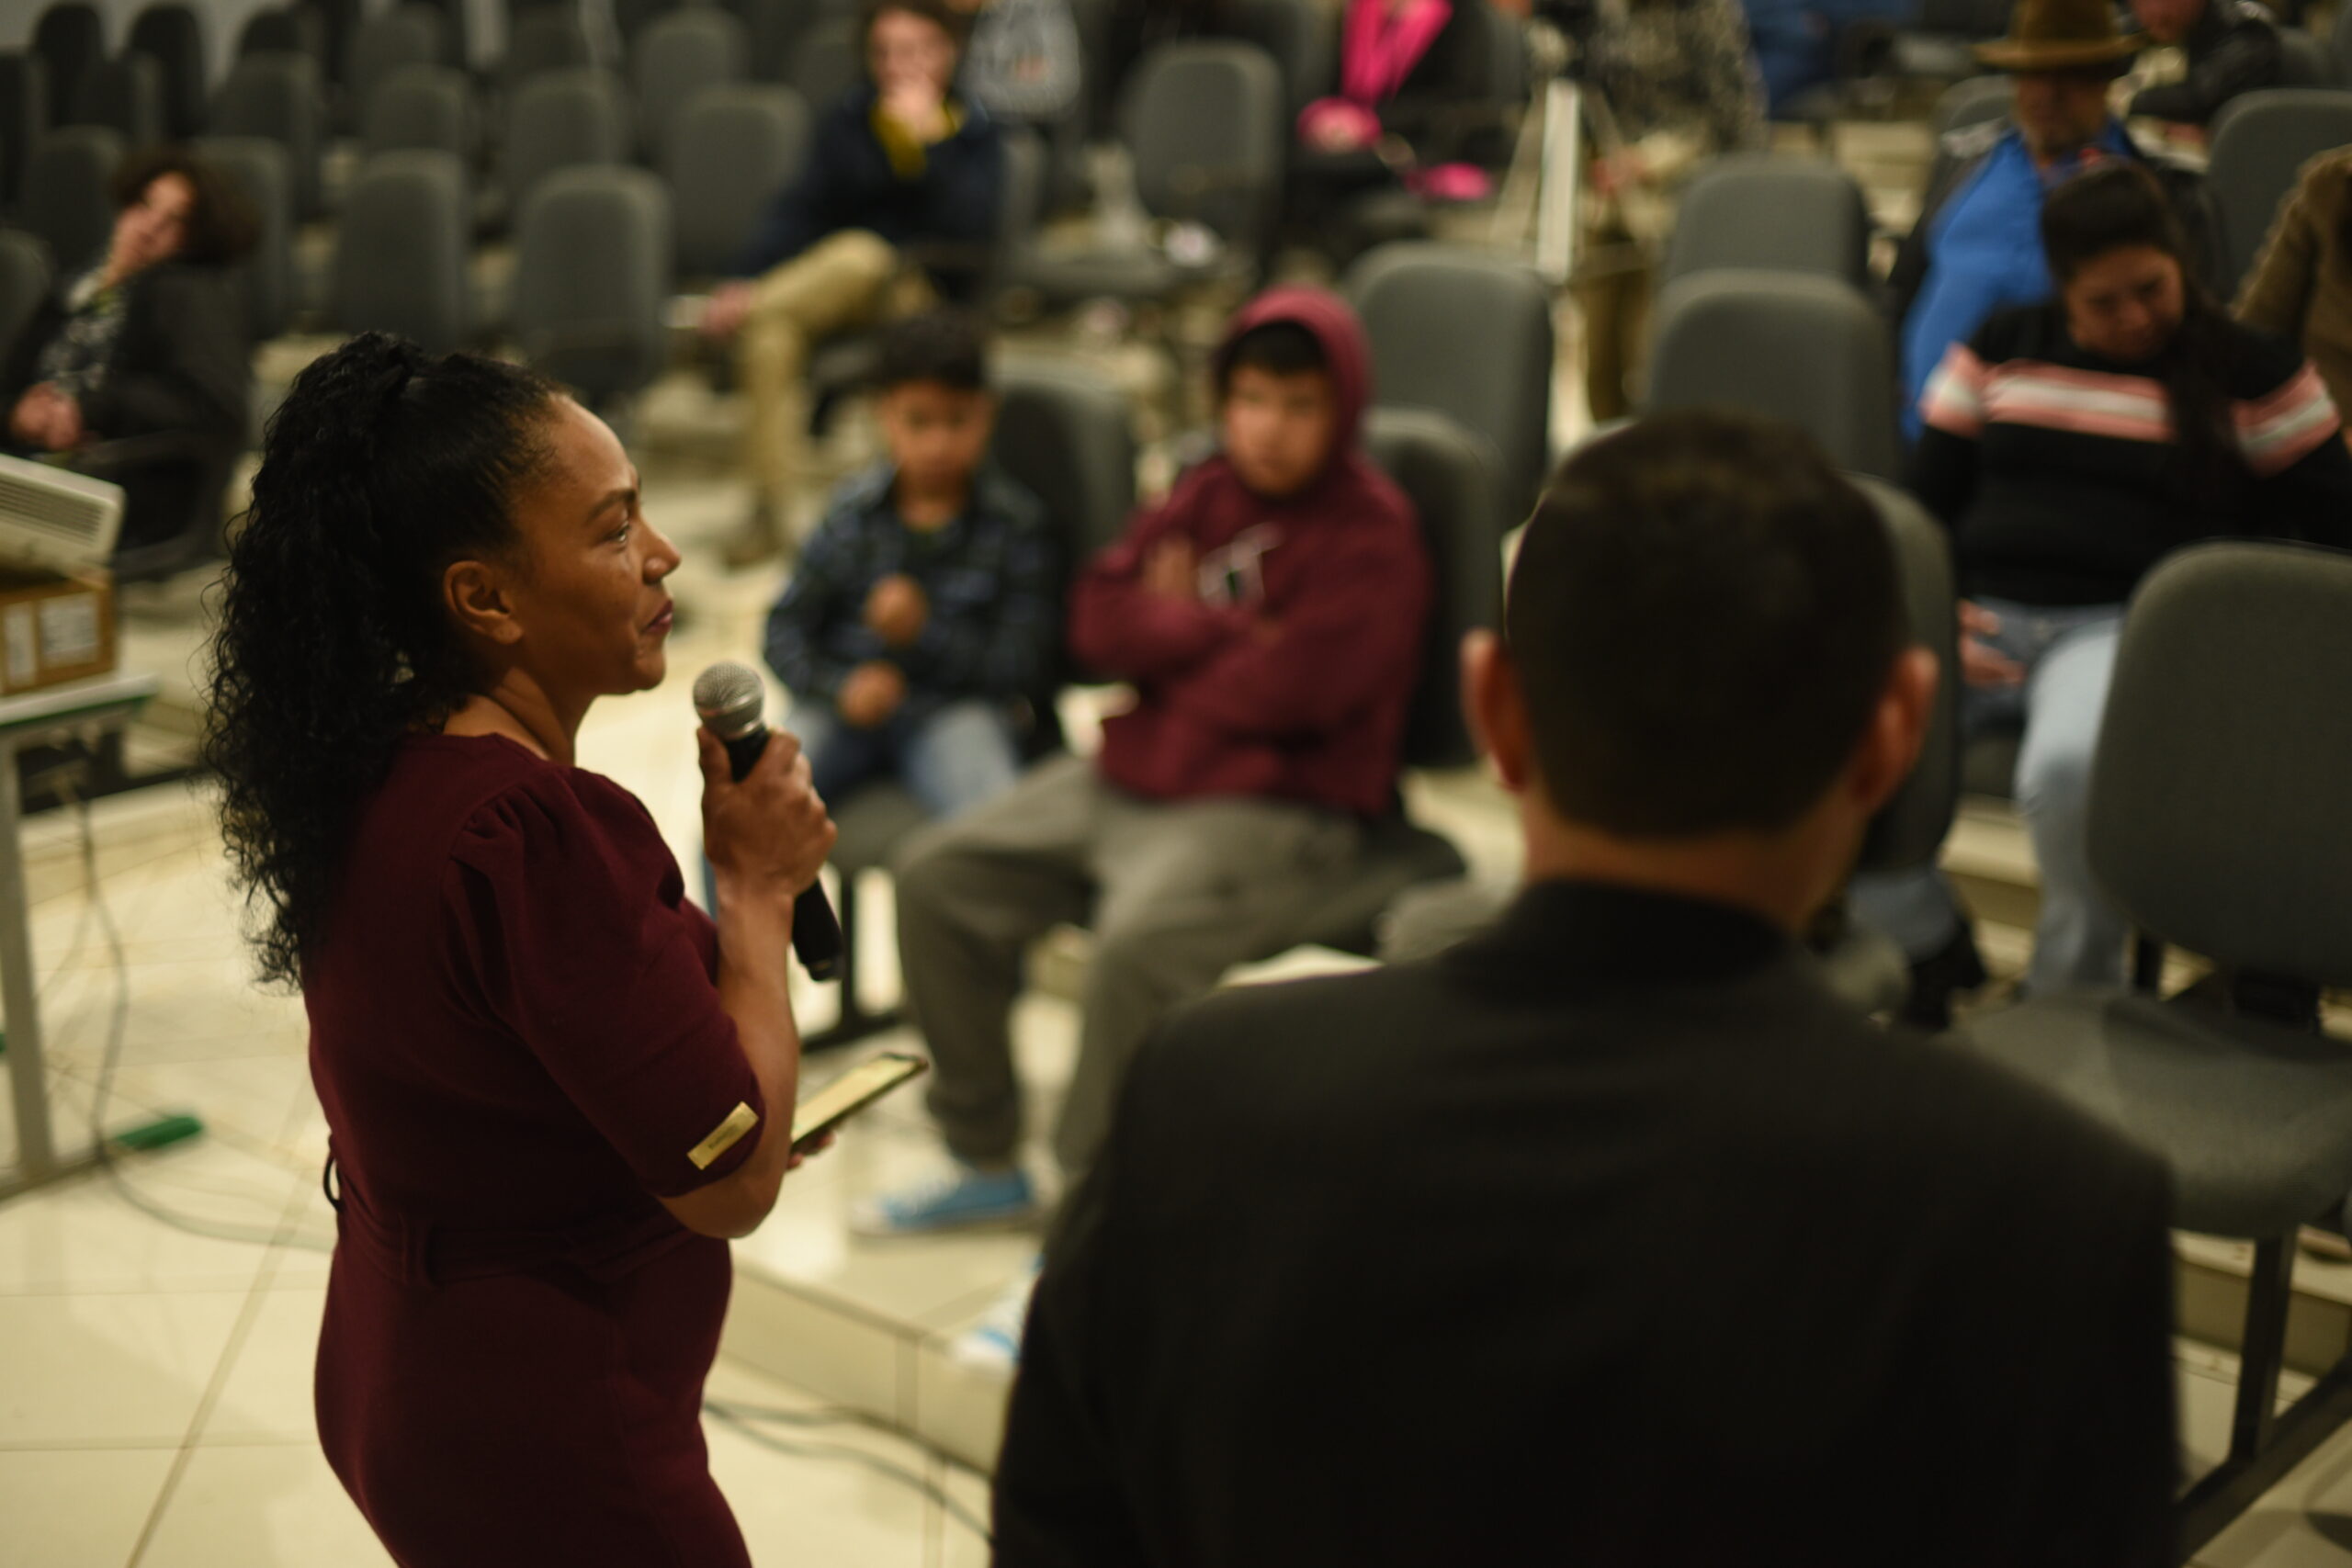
[(1954, 968)]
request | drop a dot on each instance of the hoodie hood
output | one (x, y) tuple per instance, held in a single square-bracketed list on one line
[(1346, 353)]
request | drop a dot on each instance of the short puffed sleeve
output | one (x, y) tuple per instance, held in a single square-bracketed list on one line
[(568, 921)]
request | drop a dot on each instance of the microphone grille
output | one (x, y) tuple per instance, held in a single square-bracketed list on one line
[(729, 697)]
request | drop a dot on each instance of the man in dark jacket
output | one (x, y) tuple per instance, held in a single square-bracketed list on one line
[(900, 164), (1977, 245), (2228, 47), (1398, 1269), (1269, 614)]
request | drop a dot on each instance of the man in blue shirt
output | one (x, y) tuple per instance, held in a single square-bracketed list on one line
[(1977, 246)]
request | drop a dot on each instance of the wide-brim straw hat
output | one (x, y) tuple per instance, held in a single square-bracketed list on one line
[(2060, 35)]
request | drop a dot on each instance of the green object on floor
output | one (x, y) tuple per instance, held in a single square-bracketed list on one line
[(160, 1133)]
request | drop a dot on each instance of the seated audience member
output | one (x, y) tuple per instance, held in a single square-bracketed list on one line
[(2069, 448), (2301, 288), (1269, 614), (1399, 1267), (150, 341), (1680, 86), (2225, 48), (1023, 62), (1977, 247), (899, 162), (924, 612)]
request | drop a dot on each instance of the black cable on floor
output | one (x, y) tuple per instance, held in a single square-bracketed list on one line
[(745, 1419)]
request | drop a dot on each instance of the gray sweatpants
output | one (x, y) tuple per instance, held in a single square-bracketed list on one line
[(1176, 891)]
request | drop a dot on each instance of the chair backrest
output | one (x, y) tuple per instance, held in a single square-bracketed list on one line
[(1447, 474), (259, 168), (2261, 141), (592, 276), (1301, 34), (1774, 212), (66, 200), (1808, 350), (24, 114), (1466, 334), (633, 16), (337, 21), (457, 31), (1911, 827), (560, 118), (125, 94), (548, 38), (2339, 47), (26, 279), (2215, 818), (69, 38), (1973, 102), (1021, 206), (732, 149), (2303, 61), (411, 34), (400, 253), (293, 29), (675, 58), (172, 35), (1204, 120), (429, 106), (773, 30), (824, 63), (278, 94)]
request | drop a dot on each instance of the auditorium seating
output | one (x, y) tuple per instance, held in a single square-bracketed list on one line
[(591, 274), (1963, 105), (771, 31), (428, 107), (2261, 141), (172, 35), (2303, 60), (65, 200), (550, 38), (69, 38), (733, 147), (125, 94), (25, 279), (24, 114), (1775, 213), (400, 253), (560, 118), (1810, 349), (411, 34), (1300, 35), (824, 63), (1066, 434), (674, 59), (259, 169), (456, 32), (1467, 335), (2214, 824), (277, 94)]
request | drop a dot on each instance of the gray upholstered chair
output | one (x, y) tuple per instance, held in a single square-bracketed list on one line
[(560, 118), (2261, 141), (427, 106), (2303, 61), (25, 281), (592, 276), (675, 58), (2216, 823), (548, 38), (277, 94), (1065, 434), (173, 36), (126, 94), (1465, 333), (1809, 350), (399, 252), (1774, 212), (823, 62), (257, 165), (65, 198), (70, 36), (731, 149), (24, 114), (774, 28), (410, 34)]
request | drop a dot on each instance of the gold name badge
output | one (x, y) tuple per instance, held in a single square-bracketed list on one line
[(723, 1138)]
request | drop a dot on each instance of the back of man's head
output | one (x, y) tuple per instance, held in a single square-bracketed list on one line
[(1705, 615)]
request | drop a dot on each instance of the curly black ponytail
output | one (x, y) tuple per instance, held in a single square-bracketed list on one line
[(382, 466)]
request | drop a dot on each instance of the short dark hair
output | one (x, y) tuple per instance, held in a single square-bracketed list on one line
[(945, 345), (221, 222), (1703, 616), (1277, 348), (938, 13)]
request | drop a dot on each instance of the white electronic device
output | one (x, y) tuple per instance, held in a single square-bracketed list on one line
[(55, 519)]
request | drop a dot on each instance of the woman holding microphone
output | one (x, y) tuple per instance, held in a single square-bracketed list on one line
[(552, 1085)]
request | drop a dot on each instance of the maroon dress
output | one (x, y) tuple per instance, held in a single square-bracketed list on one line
[(517, 1038)]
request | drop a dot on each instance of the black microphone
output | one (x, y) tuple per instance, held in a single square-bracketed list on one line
[(729, 698)]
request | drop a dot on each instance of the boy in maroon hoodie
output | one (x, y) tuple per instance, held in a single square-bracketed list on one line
[(1269, 614)]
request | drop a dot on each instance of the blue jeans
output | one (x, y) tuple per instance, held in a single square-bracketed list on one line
[(952, 758), (2069, 659)]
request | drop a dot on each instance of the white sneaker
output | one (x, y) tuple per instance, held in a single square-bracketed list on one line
[(994, 1342)]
